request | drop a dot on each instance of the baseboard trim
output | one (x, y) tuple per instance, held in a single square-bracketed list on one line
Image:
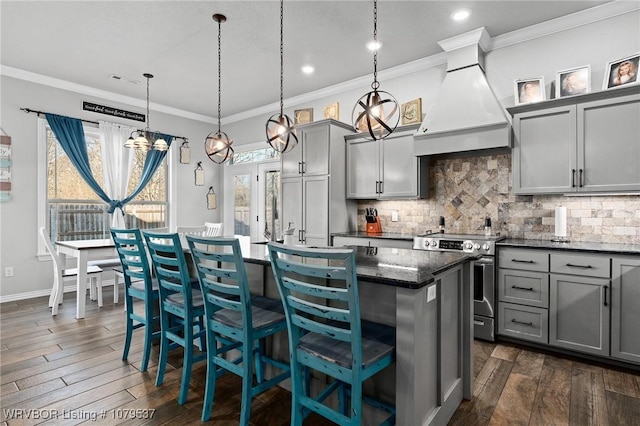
[(39, 293)]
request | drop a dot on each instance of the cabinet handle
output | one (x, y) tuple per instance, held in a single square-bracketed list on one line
[(573, 178), (300, 235), (303, 167), (522, 288), (377, 187), (522, 261), (530, 324), (604, 288), (381, 187), (299, 168), (304, 237), (581, 179), (571, 265)]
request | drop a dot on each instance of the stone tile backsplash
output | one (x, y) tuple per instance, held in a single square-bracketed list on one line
[(467, 190)]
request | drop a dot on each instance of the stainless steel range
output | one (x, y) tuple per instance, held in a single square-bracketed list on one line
[(483, 273)]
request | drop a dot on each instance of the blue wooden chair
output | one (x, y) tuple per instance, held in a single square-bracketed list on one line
[(319, 291), (181, 306), (234, 319), (138, 284)]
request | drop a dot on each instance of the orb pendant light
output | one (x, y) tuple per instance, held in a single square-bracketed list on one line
[(217, 144), (376, 114), (281, 134)]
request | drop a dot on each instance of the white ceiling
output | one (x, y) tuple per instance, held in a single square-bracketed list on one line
[(85, 42)]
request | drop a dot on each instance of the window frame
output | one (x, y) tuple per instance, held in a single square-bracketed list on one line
[(42, 194)]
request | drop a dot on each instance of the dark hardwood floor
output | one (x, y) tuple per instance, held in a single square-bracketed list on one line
[(73, 368)]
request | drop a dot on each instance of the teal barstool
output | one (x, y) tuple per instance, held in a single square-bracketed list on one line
[(181, 305), (138, 284), (234, 319), (319, 291)]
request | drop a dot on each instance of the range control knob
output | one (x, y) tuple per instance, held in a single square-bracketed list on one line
[(468, 245), (434, 243), (477, 246), (486, 247)]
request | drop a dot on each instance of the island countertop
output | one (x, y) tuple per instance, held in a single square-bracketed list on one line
[(405, 268)]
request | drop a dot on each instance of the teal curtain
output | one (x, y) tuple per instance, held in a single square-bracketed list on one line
[(70, 134)]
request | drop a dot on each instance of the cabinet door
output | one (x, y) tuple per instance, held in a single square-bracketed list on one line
[(625, 309), (608, 146), (544, 151), (362, 169), (315, 151), (316, 210), (292, 160), (579, 313), (292, 203), (399, 173)]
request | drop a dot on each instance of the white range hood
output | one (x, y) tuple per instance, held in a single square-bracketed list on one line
[(465, 115)]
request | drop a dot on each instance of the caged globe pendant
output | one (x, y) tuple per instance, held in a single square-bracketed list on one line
[(377, 112), (281, 134), (217, 144), (141, 140)]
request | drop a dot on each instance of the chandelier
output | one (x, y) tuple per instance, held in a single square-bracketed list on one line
[(377, 112), (141, 139), (217, 144), (281, 134)]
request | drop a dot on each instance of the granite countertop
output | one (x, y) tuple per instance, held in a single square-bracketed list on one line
[(633, 249), (384, 235), (405, 268)]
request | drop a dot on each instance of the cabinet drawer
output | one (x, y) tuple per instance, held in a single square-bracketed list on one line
[(524, 287), (581, 264), (528, 260), (524, 322)]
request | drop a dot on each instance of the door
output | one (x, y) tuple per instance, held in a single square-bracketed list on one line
[(363, 166), (625, 308), (399, 167), (292, 160), (544, 151), (316, 210), (315, 150), (292, 205), (579, 313), (248, 204)]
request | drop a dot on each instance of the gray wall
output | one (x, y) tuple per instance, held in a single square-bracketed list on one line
[(595, 44)]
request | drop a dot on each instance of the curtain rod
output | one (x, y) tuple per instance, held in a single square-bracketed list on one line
[(39, 113)]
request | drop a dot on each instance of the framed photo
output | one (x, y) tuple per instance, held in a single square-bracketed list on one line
[(412, 112), (302, 116), (621, 72), (529, 90), (574, 81), (332, 111)]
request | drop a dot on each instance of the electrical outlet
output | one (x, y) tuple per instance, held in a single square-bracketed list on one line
[(394, 216), (8, 271)]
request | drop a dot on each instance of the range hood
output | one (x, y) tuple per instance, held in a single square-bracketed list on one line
[(465, 115)]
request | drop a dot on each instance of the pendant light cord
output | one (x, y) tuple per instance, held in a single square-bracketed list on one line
[(148, 117), (281, 58), (219, 72), (375, 85)]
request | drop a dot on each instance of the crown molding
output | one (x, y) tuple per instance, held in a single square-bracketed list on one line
[(98, 93), (584, 17)]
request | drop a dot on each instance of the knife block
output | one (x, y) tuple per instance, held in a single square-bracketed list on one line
[(374, 227)]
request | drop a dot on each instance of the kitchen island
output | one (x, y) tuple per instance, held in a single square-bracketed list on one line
[(426, 297)]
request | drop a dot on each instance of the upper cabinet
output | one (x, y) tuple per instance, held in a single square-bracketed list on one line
[(387, 168), (588, 143)]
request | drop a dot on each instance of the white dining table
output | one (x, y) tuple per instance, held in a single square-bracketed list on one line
[(83, 251)]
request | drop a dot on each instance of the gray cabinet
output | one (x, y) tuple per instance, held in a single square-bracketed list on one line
[(386, 169), (523, 294), (625, 308), (586, 143), (313, 182)]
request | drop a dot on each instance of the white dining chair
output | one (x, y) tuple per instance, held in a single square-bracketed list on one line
[(60, 274), (190, 230), (212, 229)]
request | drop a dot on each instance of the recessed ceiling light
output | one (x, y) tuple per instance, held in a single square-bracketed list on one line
[(308, 69), (374, 45), (460, 15)]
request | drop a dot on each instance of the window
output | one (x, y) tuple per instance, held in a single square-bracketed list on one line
[(70, 208)]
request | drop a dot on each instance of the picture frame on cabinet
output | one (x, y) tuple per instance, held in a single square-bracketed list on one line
[(573, 81), (621, 72), (303, 116), (332, 111), (529, 90), (412, 112)]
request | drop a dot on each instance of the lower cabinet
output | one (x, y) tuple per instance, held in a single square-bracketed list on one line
[(523, 322), (625, 308), (579, 313)]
